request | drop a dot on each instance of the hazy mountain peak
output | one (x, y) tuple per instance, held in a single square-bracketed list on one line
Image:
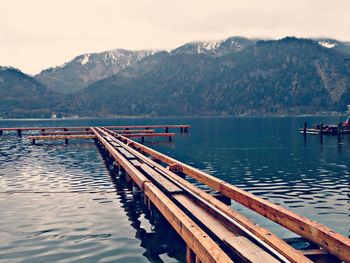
[(90, 67), (216, 47)]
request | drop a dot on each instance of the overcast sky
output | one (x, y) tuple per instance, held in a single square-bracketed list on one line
[(36, 34)]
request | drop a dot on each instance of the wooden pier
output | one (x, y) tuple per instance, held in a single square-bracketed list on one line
[(212, 230)]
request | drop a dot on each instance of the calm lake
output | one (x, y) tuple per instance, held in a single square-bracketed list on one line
[(61, 203)]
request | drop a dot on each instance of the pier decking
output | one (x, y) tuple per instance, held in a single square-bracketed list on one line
[(212, 230)]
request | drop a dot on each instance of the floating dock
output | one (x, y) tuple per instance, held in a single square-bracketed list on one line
[(212, 230)]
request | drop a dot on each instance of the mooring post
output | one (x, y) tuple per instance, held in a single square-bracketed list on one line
[(166, 129), (142, 139), (0, 132), (135, 188), (169, 138), (181, 129), (305, 127), (339, 130), (65, 141), (33, 141), (19, 132), (186, 129)]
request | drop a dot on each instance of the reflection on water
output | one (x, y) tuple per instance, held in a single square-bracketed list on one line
[(59, 202)]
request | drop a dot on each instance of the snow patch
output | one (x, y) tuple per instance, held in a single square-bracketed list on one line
[(327, 44), (85, 59), (202, 47)]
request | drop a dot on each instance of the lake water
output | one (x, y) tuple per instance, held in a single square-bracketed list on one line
[(60, 202)]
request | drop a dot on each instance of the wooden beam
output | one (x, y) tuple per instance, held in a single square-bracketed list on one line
[(333, 242), (200, 243), (140, 135), (66, 133), (275, 242), (244, 248), (63, 128), (60, 137), (134, 131)]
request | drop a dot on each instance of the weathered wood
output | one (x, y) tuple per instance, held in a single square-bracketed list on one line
[(199, 241), (333, 242), (87, 128), (136, 175), (190, 256), (139, 135), (60, 137), (161, 180), (271, 239), (126, 153), (134, 131), (202, 245), (66, 133), (245, 249)]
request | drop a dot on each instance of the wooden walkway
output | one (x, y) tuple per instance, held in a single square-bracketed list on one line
[(166, 128), (212, 230)]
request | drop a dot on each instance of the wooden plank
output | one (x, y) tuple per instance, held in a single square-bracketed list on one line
[(330, 240), (138, 135), (247, 251), (160, 180), (202, 245), (60, 137), (87, 128), (244, 248), (126, 153), (115, 144), (136, 175), (135, 162), (271, 239), (199, 241), (66, 133), (134, 131)]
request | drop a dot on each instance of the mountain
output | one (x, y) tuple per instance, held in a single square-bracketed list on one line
[(88, 68), (286, 76), (334, 44), (23, 96), (217, 48)]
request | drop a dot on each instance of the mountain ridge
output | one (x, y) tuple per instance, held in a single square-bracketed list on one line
[(236, 76)]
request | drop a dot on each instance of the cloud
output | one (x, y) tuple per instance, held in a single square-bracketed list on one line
[(39, 33)]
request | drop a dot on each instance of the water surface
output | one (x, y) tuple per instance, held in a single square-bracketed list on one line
[(60, 202)]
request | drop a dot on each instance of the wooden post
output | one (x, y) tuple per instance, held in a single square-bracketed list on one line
[(305, 127), (339, 131), (190, 256), (186, 129), (33, 141), (181, 129), (0, 132), (19, 132), (169, 138), (66, 141), (166, 129), (142, 139)]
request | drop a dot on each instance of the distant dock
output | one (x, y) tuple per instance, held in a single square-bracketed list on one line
[(212, 230)]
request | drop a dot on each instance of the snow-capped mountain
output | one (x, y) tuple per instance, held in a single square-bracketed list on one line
[(87, 68), (217, 48), (334, 44)]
